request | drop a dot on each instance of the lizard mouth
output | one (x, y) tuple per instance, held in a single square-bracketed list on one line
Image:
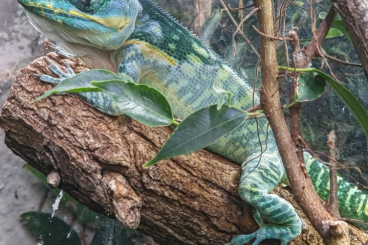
[(41, 9)]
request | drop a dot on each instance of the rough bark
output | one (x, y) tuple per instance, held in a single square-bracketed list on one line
[(189, 199), (354, 14)]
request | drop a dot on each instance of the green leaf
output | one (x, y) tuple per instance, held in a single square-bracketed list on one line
[(249, 74), (80, 83), (337, 23), (310, 87), (141, 102), (235, 61), (199, 130), (296, 16), (50, 230), (300, 3), (210, 25), (322, 15), (222, 95), (40, 176), (336, 50), (350, 101), (84, 214), (111, 233), (333, 32)]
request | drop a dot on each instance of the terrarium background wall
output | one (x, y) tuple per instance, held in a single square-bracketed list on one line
[(20, 191)]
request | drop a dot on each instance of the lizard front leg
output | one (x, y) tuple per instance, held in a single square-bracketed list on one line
[(57, 71)]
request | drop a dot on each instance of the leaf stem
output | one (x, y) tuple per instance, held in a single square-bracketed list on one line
[(229, 100), (175, 123), (289, 105), (297, 70)]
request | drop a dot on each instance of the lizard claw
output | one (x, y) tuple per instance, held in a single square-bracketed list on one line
[(57, 71)]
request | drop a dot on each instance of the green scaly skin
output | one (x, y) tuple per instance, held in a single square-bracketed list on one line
[(136, 38)]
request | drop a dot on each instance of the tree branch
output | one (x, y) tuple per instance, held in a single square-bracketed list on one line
[(314, 48), (354, 15), (332, 231), (236, 24), (189, 199), (341, 61), (332, 202)]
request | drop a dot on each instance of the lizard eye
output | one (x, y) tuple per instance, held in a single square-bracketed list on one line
[(89, 2), (87, 5)]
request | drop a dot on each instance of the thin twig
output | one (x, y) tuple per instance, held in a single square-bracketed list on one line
[(285, 46), (300, 6), (332, 202), (354, 221), (236, 24), (314, 153), (255, 81), (342, 167), (282, 12), (320, 34), (255, 118), (240, 12), (255, 108), (240, 8), (275, 38), (296, 109), (240, 26), (332, 161), (342, 61)]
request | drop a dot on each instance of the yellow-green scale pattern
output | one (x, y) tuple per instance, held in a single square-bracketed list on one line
[(352, 201)]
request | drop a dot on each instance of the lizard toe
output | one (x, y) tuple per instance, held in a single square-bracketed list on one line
[(57, 71)]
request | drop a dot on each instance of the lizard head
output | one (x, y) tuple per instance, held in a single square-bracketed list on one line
[(99, 24)]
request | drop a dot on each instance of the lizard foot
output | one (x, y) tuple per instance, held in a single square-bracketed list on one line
[(267, 231), (57, 71)]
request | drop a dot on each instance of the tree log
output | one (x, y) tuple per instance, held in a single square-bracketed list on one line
[(189, 199), (354, 14)]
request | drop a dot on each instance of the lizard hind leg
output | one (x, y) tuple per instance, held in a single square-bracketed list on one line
[(257, 180)]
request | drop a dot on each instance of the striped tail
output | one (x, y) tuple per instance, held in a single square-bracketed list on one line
[(352, 201)]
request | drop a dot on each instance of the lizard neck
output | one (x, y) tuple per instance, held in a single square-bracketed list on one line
[(92, 57), (99, 59)]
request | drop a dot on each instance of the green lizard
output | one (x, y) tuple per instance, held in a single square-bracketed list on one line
[(136, 38)]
